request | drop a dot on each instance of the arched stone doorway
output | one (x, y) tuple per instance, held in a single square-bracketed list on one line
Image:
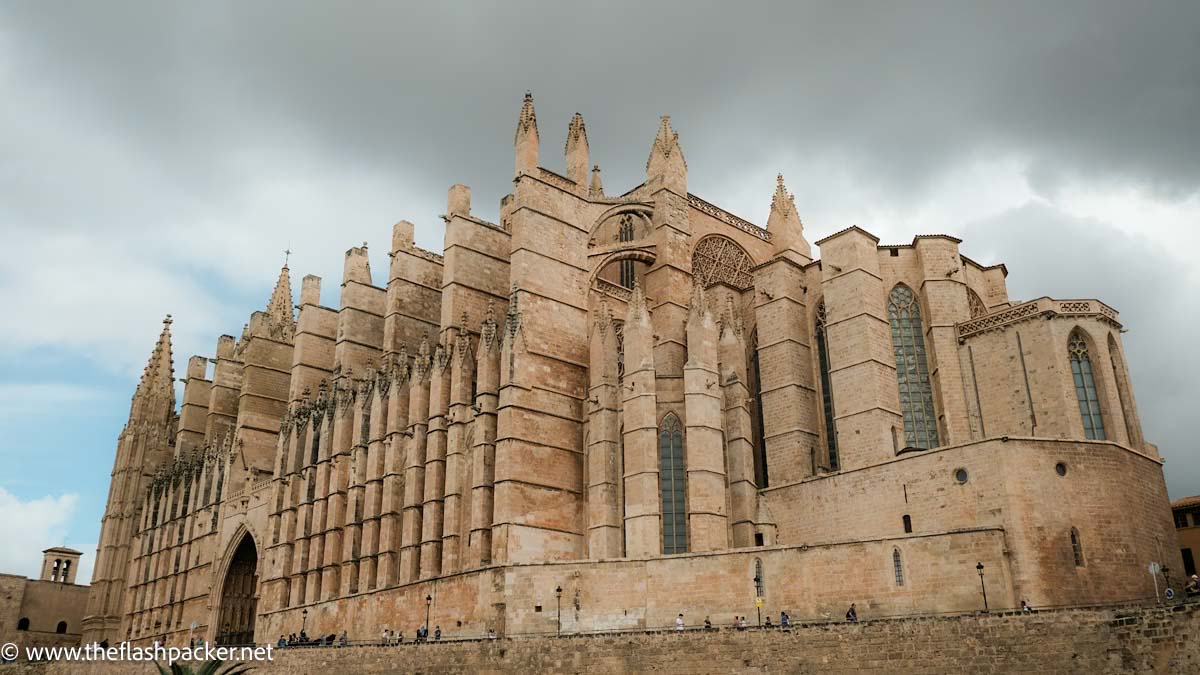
[(235, 620)]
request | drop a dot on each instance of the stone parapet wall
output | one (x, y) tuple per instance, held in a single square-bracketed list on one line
[(1108, 640)]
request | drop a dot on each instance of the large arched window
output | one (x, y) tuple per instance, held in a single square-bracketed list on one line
[(1085, 387), (912, 369), (672, 484), (826, 388)]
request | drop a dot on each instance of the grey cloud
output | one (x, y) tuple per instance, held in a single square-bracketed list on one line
[(1051, 253)]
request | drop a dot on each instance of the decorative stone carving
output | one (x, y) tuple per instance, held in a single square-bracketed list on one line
[(719, 259)]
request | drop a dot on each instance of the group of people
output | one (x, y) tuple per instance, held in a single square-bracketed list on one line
[(302, 640), (739, 622), (390, 637)]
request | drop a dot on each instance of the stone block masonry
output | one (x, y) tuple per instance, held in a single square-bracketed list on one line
[(1101, 640)]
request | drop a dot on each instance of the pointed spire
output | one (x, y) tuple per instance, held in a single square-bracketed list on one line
[(487, 330), (577, 151), (596, 190), (526, 140), (155, 393), (666, 161), (279, 307), (787, 231), (636, 312), (699, 302)]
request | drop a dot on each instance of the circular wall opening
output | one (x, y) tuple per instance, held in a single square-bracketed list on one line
[(960, 475), (1060, 469)]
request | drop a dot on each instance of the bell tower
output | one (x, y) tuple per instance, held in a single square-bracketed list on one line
[(60, 564)]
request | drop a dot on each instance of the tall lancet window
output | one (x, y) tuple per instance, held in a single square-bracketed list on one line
[(826, 388), (912, 369), (672, 485), (625, 233), (761, 475), (1085, 387)]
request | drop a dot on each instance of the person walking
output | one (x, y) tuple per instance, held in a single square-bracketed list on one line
[(437, 633), (784, 620), (679, 622)]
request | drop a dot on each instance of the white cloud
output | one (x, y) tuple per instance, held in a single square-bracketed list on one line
[(28, 527)]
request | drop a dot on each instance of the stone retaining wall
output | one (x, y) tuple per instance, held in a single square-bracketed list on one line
[(1063, 641)]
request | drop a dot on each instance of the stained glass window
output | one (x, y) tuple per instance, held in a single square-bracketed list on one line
[(672, 484), (1085, 387), (826, 388), (912, 369)]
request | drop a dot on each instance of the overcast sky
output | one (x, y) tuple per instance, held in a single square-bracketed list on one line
[(159, 157)]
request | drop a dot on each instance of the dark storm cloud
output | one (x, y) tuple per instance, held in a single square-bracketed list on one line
[(172, 145), (1054, 254), (1104, 90)]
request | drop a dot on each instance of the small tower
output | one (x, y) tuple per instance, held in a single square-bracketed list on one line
[(526, 141), (787, 232), (60, 564), (666, 167), (577, 151)]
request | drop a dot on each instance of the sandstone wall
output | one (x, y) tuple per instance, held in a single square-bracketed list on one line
[(1113, 498), (1069, 641)]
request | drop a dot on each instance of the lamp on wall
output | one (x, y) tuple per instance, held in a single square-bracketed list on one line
[(428, 604), (558, 602), (982, 587)]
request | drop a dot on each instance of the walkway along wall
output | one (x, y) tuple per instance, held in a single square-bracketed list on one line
[(1066, 641)]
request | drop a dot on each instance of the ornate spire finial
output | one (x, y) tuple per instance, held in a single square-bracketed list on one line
[(787, 231), (527, 120), (782, 201), (666, 162), (596, 190)]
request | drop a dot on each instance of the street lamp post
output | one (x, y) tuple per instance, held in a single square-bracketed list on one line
[(304, 621), (428, 604), (982, 587), (558, 602), (757, 602)]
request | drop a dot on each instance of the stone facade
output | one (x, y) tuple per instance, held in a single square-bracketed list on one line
[(44, 612), (644, 403)]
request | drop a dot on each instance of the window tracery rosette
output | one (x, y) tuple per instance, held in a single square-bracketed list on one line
[(719, 259)]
